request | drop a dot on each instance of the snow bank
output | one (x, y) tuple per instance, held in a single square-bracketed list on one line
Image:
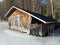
[(17, 34)]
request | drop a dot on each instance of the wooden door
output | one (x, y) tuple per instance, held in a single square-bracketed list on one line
[(18, 22)]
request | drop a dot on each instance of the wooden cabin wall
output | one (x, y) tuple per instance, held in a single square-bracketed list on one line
[(24, 15), (36, 27), (47, 29), (26, 19)]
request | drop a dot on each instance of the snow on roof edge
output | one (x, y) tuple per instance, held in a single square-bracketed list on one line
[(27, 13)]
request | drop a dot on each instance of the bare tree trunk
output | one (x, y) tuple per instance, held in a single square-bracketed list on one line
[(52, 9)]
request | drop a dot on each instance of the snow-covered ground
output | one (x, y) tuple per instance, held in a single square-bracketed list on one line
[(8, 37)]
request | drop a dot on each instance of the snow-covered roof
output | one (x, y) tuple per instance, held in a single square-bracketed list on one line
[(40, 17)]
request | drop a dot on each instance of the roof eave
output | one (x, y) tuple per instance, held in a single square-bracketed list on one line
[(9, 11)]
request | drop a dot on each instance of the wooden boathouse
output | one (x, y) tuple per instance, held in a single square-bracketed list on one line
[(29, 22)]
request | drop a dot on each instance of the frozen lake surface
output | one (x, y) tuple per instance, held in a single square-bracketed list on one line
[(8, 37)]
